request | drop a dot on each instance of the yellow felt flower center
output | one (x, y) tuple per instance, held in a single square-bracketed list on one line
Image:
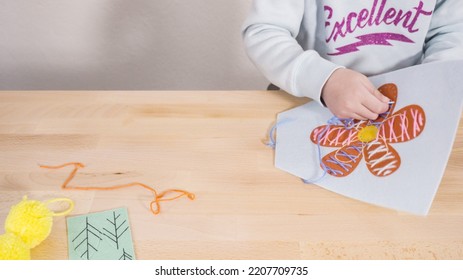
[(368, 133)]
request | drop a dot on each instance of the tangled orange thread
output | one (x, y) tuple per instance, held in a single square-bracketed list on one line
[(155, 206)]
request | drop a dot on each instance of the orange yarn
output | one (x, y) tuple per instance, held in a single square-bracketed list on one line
[(155, 206)]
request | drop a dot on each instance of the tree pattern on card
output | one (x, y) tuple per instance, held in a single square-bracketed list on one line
[(125, 256), (87, 240), (103, 235), (116, 230)]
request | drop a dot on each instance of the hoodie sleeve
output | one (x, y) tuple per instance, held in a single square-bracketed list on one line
[(444, 40), (269, 37)]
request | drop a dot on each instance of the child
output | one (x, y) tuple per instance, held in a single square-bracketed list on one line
[(323, 49)]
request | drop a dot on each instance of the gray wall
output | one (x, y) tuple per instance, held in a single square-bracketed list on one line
[(124, 44)]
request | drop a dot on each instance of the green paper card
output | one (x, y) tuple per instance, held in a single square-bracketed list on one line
[(100, 236)]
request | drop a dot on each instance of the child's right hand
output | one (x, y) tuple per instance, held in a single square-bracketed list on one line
[(349, 94)]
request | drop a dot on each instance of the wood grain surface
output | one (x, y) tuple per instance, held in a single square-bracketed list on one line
[(212, 144)]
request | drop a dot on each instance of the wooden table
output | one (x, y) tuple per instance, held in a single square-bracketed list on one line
[(211, 144)]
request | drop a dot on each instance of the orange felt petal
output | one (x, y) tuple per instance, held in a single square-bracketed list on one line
[(391, 92), (382, 159), (333, 136), (404, 125), (342, 162)]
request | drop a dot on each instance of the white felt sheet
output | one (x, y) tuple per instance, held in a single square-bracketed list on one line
[(438, 89)]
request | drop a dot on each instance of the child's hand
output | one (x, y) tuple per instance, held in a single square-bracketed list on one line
[(349, 94)]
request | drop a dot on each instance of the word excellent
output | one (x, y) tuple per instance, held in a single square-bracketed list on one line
[(374, 16)]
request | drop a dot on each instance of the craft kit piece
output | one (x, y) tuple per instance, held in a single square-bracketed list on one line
[(27, 225), (396, 161), (370, 139), (100, 236)]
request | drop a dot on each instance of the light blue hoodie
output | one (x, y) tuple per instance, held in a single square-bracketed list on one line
[(297, 44)]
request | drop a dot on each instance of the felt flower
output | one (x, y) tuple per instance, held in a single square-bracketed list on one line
[(370, 139)]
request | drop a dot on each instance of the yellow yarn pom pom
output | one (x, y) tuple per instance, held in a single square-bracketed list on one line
[(31, 220), (368, 134), (28, 223), (13, 248)]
